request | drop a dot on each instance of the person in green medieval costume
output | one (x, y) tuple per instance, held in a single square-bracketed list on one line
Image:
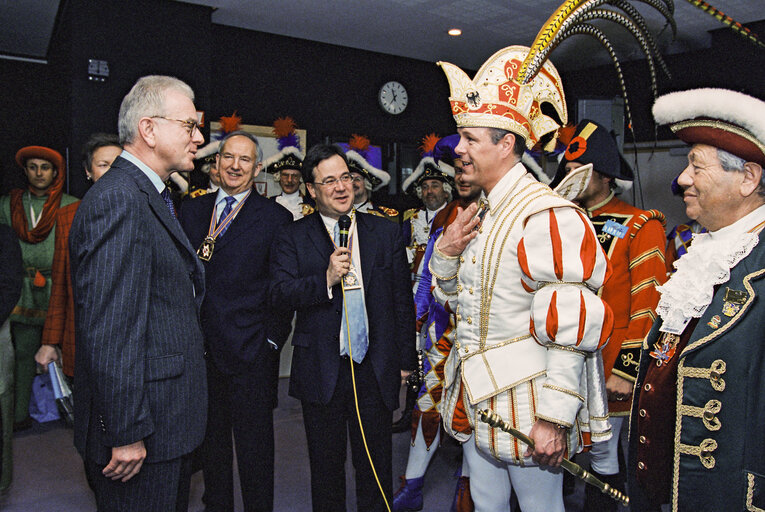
[(32, 213)]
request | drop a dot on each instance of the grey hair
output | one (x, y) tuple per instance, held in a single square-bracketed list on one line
[(733, 163), (146, 99), (242, 133), (447, 189)]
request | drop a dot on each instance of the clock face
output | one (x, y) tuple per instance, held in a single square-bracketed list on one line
[(393, 98)]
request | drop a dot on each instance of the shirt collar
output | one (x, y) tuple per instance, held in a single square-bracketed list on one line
[(222, 195), (504, 185), (153, 176)]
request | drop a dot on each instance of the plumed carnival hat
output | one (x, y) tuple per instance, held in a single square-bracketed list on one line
[(728, 120), (429, 168), (290, 155), (206, 154), (593, 144), (51, 155), (358, 162), (511, 87), (495, 99)]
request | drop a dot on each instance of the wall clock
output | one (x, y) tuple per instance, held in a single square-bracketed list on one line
[(393, 97)]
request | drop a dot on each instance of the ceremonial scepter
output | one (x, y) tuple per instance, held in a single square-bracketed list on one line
[(575, 469)]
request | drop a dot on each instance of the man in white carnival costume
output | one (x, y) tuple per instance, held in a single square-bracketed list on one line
[(522, 275)]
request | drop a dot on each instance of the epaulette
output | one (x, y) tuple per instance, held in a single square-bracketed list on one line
[(412, 212), (198, 192), (390, 212), (645, 217)]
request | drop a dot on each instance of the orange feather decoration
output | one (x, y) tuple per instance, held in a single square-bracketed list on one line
[(359, 143), (284, 126), (231, 123), (428, 143)]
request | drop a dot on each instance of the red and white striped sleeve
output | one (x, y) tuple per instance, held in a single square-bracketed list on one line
[(563, 265)]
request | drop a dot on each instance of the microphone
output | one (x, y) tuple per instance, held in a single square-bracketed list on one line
[(344, 224)]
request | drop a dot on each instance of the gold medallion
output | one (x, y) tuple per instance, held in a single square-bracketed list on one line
[(205, 250)]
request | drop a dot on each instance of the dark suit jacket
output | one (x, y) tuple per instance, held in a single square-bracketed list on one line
[(299, 283), (237, 318), (138, 286)]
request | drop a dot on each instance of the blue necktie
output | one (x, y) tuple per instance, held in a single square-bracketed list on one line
[(169, 202), (230, 200), (357, 318)]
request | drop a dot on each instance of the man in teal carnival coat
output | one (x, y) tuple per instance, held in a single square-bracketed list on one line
[(699, 405)]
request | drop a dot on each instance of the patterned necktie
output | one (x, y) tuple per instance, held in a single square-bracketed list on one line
[(230, 200), (169, 202), (357, 318)]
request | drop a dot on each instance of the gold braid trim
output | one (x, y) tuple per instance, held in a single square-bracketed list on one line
[(653, 253), (720, 125), (750, 494), (713, 373), (564, 390), (708, 413), (554, 420), (703, 451), (566, 348), (651, 281)]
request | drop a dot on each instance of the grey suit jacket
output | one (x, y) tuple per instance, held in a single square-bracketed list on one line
[(138, 286)]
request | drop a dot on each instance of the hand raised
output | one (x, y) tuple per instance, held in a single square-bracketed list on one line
[(460, 232)]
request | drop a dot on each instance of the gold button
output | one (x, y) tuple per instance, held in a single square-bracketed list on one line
[(647, 387), (715, 375), (642, 413), (459, 317), (459, 287), (462, 259), (469, 320), (709, 415), (641, 465), (473, 259), (470, 290), (642, 439), (705, 453), (467, 350), (480, 230)]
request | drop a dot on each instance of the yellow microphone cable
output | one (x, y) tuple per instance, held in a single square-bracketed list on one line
[(356, 397)]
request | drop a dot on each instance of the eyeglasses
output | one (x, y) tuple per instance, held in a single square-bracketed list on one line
[(331, 182), (189, 125), (357, 178)]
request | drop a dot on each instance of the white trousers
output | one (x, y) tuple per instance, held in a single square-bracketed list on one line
[(420, 455), (492, 482), (604, 456)]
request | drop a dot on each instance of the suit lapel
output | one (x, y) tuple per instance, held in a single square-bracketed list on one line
[(319, 237), (367, 245), (158, 206), (244, 221)]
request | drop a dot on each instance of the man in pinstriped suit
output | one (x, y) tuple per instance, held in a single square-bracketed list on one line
[(138, 286)]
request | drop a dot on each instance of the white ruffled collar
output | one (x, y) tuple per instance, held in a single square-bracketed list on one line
[(707, 264)]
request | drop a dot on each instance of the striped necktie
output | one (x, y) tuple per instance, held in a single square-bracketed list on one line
[(230, 200), (169, 202)]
